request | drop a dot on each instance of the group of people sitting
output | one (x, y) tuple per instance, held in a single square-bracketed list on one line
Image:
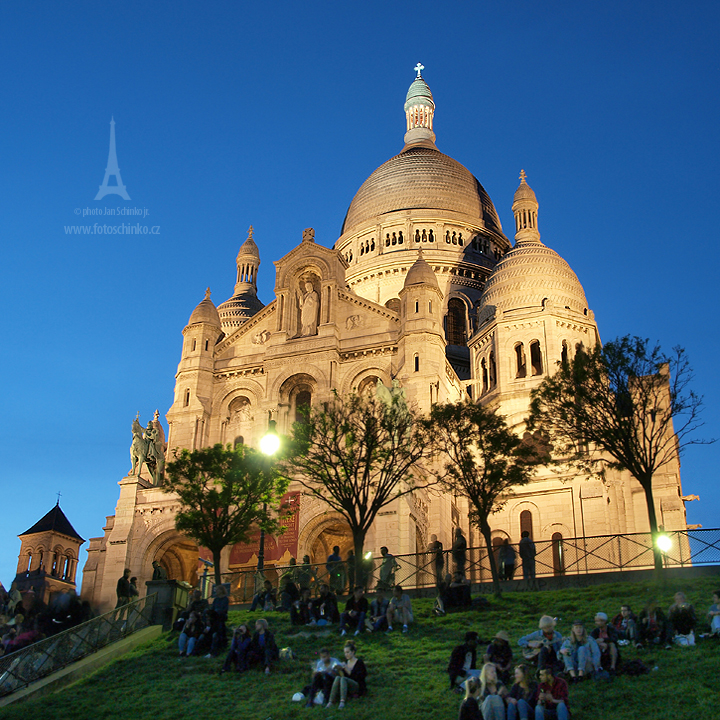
[(538, 686), (26, 619), (359, 614), (202, 626)]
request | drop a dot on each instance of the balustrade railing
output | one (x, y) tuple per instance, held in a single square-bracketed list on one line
[(557, 556), (22, 667)]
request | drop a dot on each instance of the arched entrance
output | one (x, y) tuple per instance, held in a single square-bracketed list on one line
[(177, 554), (321, 534)]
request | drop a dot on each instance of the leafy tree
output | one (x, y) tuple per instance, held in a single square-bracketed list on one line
[(626, 406), (483, 460), (358, 454), (224, 493)]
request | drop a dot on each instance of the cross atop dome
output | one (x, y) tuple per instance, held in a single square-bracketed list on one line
[(522, 176), (250, 231), (207, 294), (418, 69)]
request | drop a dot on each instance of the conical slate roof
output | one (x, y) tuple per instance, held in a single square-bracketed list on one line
[(54, 521)]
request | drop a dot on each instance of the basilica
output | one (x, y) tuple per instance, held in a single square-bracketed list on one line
[(423, 287)]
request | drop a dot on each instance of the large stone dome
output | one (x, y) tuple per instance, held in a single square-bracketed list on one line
[(529, 276), (421, 177)]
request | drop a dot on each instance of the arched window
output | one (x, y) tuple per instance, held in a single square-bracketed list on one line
[(536, 358), (239, 440), (483, 367), (29, 561), (526, 523), (186, 402), (492, 370), (558, 554), (417, 363), (520, 364), (303, 400), (393, 304), (194, 345), (456, 325), (564, 353)]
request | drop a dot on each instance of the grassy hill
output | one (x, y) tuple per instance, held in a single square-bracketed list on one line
[(406, 672)]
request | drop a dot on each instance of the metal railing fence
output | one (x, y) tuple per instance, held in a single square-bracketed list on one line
[(22, 667), (557, 556)]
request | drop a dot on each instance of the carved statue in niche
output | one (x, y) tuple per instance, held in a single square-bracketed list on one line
[(309, 305), (240, 410)]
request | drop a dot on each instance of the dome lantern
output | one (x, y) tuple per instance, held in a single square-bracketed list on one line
[(419, 112), (525, 208), (244, 303)]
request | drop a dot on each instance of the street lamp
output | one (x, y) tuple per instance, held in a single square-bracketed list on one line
[(269, 445)]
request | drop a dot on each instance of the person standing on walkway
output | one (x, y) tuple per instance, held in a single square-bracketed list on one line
[(459, 551), (507, 560), (123, 589), (527, 555)]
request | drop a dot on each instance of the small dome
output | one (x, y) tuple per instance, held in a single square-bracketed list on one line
[(239, 308), (524, 191), (205, 312), (249, 248), (419, 91), (529, 275), (421, 274)]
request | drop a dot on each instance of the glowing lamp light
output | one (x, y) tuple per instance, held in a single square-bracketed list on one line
[(270, 444), (664, 542), (368, 555)]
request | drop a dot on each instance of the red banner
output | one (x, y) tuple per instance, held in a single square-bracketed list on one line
[(275, 547)]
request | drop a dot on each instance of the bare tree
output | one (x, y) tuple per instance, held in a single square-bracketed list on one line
[(483, 460), (626, 406), (224, 494), (358, 454)]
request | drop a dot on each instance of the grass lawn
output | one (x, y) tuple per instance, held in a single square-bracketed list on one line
[(407, 675)]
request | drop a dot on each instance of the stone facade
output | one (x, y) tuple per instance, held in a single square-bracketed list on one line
[(421, 286)]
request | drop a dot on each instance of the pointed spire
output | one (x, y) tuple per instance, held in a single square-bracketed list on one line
[(207, 294), (525, 209), (419, 112)]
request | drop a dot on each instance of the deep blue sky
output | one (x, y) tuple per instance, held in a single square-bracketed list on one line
[(273, 114)]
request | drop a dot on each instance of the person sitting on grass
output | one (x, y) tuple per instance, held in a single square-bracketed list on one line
[(265, 598), (492, 694), (653, 626), (463, 660), (551, 697), (606, 636), (239, 647), (457, 593), (626, 625), (323, 676), (301, 611), (191, 630), (356, 609), (543, 645), (263, 648), (213, 636), (469, 707), (325, 609), (714, 614), (580, 652), (349, 678), (378, 612), (683, 620), (499, 653), (521, 699), (399, 609)]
